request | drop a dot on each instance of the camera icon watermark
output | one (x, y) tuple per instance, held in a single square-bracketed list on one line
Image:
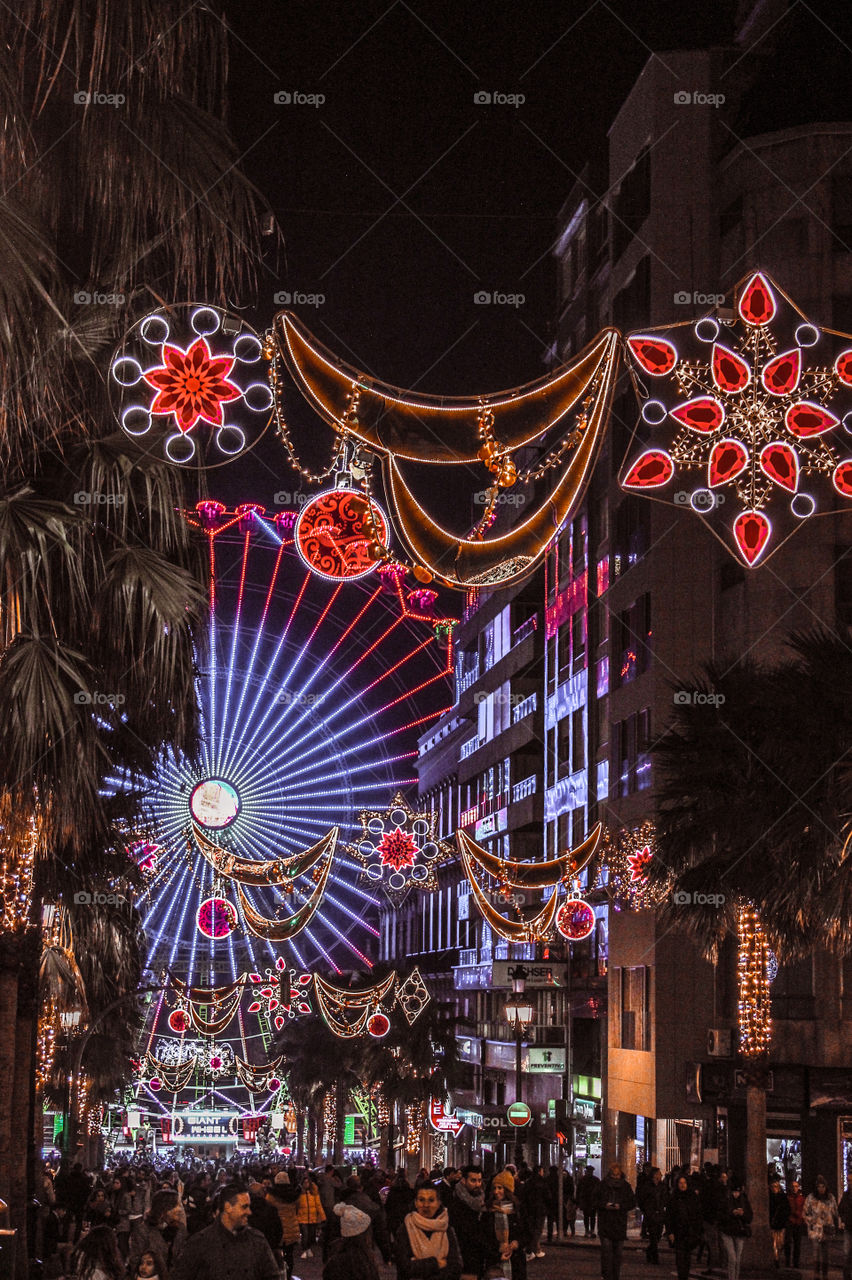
[(84, 899), (84, 99), (284, 298), (683, 298), (485, 298), (695, 98), (701, 500), (92, 497), (482, 98), (284, 498), (501, 699), (681, 898), (502, 499), (285, 98), (697, 698), (93, 698)]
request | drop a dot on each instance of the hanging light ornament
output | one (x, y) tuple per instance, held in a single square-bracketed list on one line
[(755, 1001), (399, 849), (747, 419)]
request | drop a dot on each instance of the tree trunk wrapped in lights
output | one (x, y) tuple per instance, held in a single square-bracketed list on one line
[(755, 1031)]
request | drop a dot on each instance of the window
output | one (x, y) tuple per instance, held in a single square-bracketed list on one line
[(633, 645), (578, 546), (631, 760), (632, 304), (632, 203), (578, 827), (643, 749), (632, 534), (578, 641), (793, 991), (635, 1009), (578, 740)]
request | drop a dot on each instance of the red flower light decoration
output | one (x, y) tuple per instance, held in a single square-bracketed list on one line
[(397, 850), (638, 863), (335, 531), (192, 385), (745, 420)]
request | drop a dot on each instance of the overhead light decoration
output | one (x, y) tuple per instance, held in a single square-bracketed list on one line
[(746, 421), (399, 849), (337, 532), (353, 1013), (626, 855), (189, 384), (575, 919), (412, 996)]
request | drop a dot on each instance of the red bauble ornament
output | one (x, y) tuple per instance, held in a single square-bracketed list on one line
[(178, 1021), (332, 536), (727, 459), (651, 469), (757, 305), (378, 1025), (805, 419), (780, 462), (751, 530), (575, 919), (730, 371), (216, 918), (843, 367), (842, 478), (655, 355), (704, 414), (781, 375)]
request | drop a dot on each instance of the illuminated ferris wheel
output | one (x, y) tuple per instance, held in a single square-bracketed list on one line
[(311, 692)]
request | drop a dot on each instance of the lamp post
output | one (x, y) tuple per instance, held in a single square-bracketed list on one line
[(520, 1015)]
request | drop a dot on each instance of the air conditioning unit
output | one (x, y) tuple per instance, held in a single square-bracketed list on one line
[(720, 1042)]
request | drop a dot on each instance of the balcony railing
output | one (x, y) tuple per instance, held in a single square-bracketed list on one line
[(468, 748), (525, 788), (467, 678), (527, 628), (525, 708)]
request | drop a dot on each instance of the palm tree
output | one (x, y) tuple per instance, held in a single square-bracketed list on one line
[(119, 179), (319, 1063), (753, 797)]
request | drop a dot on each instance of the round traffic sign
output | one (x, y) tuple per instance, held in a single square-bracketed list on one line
[(518, 1114)]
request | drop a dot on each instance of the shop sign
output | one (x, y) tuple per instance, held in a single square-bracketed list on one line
[(205, 1126), (444, 1121), (537, 975), (546, 1061), (492, 825), (584, 1109)]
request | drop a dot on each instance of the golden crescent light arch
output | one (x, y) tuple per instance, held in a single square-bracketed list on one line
[(282, 930), (433, 429), (534, 875), (276, 871), (510, 930)]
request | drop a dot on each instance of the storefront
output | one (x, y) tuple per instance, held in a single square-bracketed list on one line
[(587, 1128)]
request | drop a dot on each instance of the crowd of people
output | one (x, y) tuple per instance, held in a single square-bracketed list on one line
[(214, 1220)]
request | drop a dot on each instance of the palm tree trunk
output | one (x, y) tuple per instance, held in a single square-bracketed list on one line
[(300, 1135), (340, 1120), (21, 1110), (757, 1187), (8, 1020)]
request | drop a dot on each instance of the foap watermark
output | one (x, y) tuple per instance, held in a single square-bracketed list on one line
[(84, 99), (288, 699), (695, 98), (94, 498), (284, 498), (485, 298), (83, 298), (295, 98), (683, 298), (683, 899), (93, 698), (84, 899), (697, 698), (502, 499), (484, 98), (284, 298), (699, 499), (507, 699)]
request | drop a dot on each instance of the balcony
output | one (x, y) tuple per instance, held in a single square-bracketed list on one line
[(527, 787), (525, 708), (527, 628), (466, 678), (468, 748)]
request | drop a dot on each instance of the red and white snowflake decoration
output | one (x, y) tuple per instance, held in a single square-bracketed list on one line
[(281, 993), (748, 421), (399, 850)]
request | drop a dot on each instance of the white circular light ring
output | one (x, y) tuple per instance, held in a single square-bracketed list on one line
[(125, 420), (120, 362), (375, 871), (419, 873), (703, 501), (258, 397), (173, 449), (205, 321), (154, 330), (420, 827), (847, 423), (214, 803), (376, 825), (707, 329), (654, 412), (802, 506), (807, 335), (398, 817), (247, 348), (239, 437), (397, 881), (430, 850)]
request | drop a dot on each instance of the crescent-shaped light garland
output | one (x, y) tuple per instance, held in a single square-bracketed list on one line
[(476, 561), (174, 1078), (225, 1000), (433, 429), (535, 875), (335, 1002), (277, 871), (534, 930), (254, 1077), (282, 930)]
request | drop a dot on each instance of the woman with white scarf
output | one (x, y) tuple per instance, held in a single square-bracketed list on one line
[(427, 1245)]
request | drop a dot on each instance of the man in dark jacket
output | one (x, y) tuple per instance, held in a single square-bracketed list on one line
[(683, 1224), (614, 1201), (534, 1207), (264, 1217), (230, 1249), (587, 1193), (472, 1224), (447, 1185)]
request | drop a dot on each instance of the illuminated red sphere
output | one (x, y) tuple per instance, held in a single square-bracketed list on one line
[(216, 918), (378, 1025), (575, 919), (335, 532), (178, 1021)]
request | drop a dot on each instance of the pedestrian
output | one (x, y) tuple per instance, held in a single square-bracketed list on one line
[(508, 1230), (96, 1256), (735, 1225), (284, 1199), (446, 1186), (469, 1219), (587, 1190), (569, 1201), (844, 1211), (426, 1244), (644, 1179), (264, 1216), (535, 1206), (822, 1220), (230, 1247), (162, 1229), (613, 1201), (683, 1224), (398, 1202), (310, 1213), (350, 1257), (654, 1214), (795, 1225), (714, 1190), (150, 1267), (779, 1216)]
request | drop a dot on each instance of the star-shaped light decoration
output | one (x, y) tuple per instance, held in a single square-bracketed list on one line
[(746, 419), (281, 994), (638, 863), (398, 849), (192, 386), (625, 855)]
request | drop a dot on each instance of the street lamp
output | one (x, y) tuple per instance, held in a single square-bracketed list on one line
[(520, 1015)]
